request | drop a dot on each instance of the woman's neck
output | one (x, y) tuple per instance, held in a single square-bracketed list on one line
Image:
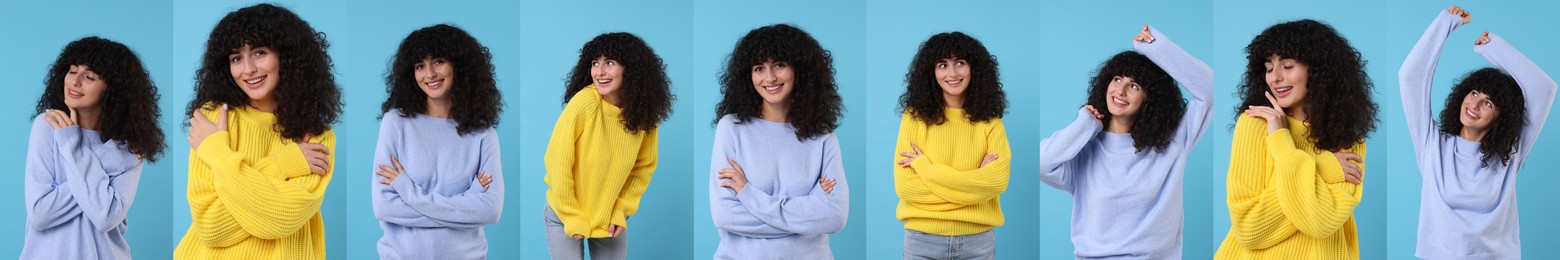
[(1298, 112), (953, 101), (88, 118), (1119, 124), (267, 105), (1472, 135), (774, 112), (438, 107)]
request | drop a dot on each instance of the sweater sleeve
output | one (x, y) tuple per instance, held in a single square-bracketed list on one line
[(1058, 151), (1538, 89), (1267, 205), (638, 180), (560, 160), (975, 186), (474, 208), (49, 202), (1194, 75), (232, 198), (816, 213), (907, 183), (387, 202), (728, 212), (1415, 77), (103, 196)]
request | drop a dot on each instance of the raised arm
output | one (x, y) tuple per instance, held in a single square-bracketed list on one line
[(1192, 74), (1058, 150), (1538, 89), (1416, 76)]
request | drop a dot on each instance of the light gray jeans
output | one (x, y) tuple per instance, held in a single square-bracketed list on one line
[(561, 246), (920, 245)]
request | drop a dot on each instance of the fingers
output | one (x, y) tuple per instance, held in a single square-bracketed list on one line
[(734, 164), (222, 117), (397, 163), (907, 154), (1483, 38), (73, 119), (1349, 156), (906, 162), (199, 119), (1274, 101), (578, 237), (1096, 112), (318, 164), (917, 149), (49, 117)]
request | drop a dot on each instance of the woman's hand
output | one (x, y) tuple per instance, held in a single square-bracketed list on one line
[(738, 179), (390, 173), (200, 127), (1096, 112), (1460, 12), (1144, 36), (484, 179), (58, 119), (912, 156), (990, 157), (1351, 172), (1275, 116), (319, 156), (827, 184), (615, 230), (1482, 39)]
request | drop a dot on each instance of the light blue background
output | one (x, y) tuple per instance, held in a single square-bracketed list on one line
[(839, 28), (1075, 40), (35, 32), (553, 32), (1009, 31)]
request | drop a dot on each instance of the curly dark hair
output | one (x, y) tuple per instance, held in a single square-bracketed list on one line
[(307, 97), (475, 100), (923, 98), (130, 102), (1338, 102), (1502, 90), (817, 105), (647, 91), (1163, 106)]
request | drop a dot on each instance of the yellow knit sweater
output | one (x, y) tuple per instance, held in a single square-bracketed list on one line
[(1287, 199), (596, 169), (251, 193), (945, 191)]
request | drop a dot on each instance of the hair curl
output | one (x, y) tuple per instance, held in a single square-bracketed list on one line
[(646, 92), (1162, 109), (308, 100), (475, 100), (129, 104), (1338, 102), (1507, 127), (923, 97), (816, 104)]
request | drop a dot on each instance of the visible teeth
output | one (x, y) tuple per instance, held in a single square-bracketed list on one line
[(1119, 101), (772, 87), (252, 81), (1471, 114), (73, 92)]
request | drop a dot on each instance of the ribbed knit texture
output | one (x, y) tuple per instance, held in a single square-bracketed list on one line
[(251, 193), (1287, 199), (79, 189), (1128, 203), (1468, 210), (436, 208), (945, 191), (596, 169)]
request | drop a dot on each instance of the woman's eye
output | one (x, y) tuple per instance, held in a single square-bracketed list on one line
[(234, 59), (1136, 87), (260, 53)]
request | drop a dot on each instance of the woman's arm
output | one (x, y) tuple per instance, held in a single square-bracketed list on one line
[(1058, 151), (1537, 87), (816, 213), (1194, 75), (1415, 77), (975, 186), (103, 196)]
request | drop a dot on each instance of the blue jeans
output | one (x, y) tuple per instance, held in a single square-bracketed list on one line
[(919, 245), (561, 246)]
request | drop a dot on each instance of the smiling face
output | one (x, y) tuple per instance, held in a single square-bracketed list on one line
[(83, 88), (953, 76), (434, 76), (1286, 79), (772, 80), (1478, 111), (607, 74), (1124, 97), (255, 70)]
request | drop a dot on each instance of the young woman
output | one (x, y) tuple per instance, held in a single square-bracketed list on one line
[(1124, 165), (603, 148), (1297, 157), (261, 148), (1468, 203), (438, 178), (953, 151), (96, 127), (777, 186)]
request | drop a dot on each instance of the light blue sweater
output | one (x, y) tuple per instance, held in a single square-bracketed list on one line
[(1127, 204), (436, 208), (79, 190), (1468, 210), (782, 213)]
